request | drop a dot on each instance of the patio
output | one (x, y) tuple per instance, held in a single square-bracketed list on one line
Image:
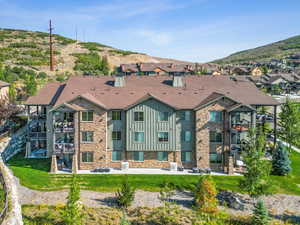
[(146, 171)]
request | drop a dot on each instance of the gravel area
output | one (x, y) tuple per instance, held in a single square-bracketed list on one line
[(279, 205)]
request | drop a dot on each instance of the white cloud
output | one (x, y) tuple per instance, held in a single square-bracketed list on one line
[(156, 37)]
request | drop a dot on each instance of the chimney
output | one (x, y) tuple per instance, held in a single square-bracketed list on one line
[(119, 81), (178, 81)]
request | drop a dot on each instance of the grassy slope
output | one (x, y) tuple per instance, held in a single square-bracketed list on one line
[(33, 174), (275, 50)]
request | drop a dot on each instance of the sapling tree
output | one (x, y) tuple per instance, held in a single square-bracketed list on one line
[(260, 214), (72, 213), (125, 195), (205, 196)]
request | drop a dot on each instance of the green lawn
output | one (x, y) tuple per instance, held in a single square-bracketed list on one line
[(33, 173)]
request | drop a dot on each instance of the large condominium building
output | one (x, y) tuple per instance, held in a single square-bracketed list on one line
[(149, 122)]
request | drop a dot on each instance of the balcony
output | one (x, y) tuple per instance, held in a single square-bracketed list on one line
[(61, 127), (36, 116), (37, 135), (64, 148)]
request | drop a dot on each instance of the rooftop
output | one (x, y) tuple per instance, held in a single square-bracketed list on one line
[(195, 91)]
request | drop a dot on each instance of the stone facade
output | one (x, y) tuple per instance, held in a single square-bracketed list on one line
[(204, 126)]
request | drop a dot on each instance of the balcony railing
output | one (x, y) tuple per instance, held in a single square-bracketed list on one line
[(38, 135), (65, 148), (64, 126), (35, 116)]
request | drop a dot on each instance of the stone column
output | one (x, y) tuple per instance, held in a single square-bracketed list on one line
[(75, 164), (28, 149), (54, 164), (230, 165)]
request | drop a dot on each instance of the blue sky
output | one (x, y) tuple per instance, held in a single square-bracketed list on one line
[(193, 30)]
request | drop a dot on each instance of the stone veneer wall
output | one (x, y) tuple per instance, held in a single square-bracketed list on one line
[(13, 214), (98, 126), (203, 126)]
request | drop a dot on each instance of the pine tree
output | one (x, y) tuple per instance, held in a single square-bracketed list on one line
[(256, 177), (125, 195), (281, 164), (72, 213), (205, 195), (260, 214)]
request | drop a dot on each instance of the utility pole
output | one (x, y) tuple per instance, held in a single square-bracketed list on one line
[(51, 47)]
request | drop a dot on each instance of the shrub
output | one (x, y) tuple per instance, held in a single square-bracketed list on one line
[(205, 195), (281, 164), (125, 195), (260, 214), (22, 45)]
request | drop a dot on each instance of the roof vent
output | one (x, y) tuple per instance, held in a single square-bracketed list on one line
[(177, 81), (119, 81)]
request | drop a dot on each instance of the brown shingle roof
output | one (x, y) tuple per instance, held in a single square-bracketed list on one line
[(196, 90), (3, 84), (47, 95)]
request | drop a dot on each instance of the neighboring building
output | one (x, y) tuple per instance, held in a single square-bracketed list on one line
[(285, 83), (149, 122), (4, 88), (151, 69)]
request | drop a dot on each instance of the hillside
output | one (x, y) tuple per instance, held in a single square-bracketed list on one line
[(277, 50), (30, 50)]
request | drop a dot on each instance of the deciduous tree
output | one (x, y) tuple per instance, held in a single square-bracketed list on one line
[(289, 123), (256, 177)]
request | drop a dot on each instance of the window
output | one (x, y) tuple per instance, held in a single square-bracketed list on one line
[(116, 135), (215, 157), (186, 156), (163, 136), (138, 156), (87, 157), (215, 137), (186, 136), (116, 115), (139, 136), (186, 115), (87, 116), (162, 156), (116, 156), (87, 136), (215, 116), (163, 116), (138, 116)]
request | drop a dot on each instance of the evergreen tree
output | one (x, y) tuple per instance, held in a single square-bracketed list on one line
[(72, 213), (289, 123), (256, 177), (125, 195), (281, 164), (260, 214), (205, 195)]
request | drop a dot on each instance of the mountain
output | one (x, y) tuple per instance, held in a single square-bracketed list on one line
[(30, 50), (278, 50)]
